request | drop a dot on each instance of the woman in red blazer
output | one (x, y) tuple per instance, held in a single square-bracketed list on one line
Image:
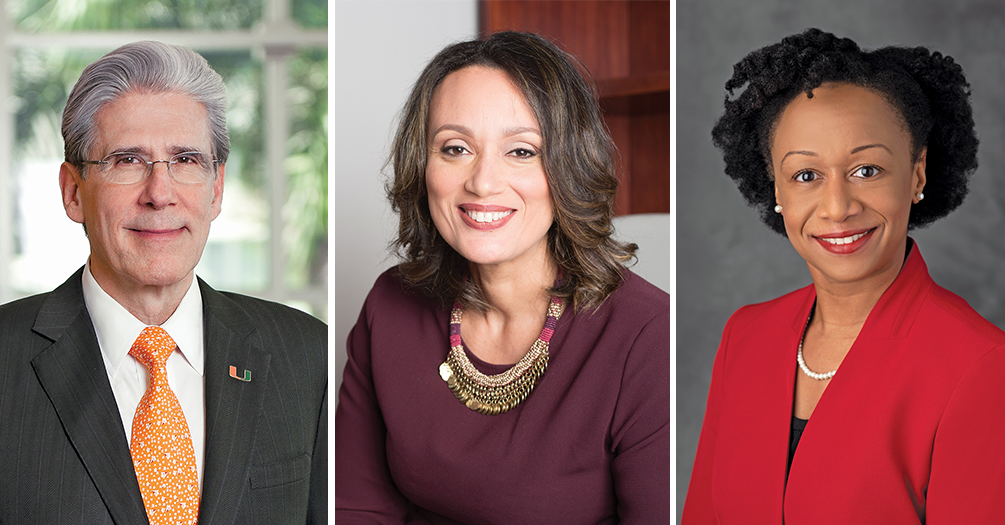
[(872, 395)]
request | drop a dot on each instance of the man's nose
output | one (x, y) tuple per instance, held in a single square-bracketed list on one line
[(159, 190)]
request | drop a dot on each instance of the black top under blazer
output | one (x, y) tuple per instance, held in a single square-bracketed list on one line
[(64, 457)]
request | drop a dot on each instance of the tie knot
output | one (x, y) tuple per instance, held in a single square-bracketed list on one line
[(153, 347)]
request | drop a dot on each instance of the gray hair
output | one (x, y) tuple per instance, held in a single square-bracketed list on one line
[(145, 67)]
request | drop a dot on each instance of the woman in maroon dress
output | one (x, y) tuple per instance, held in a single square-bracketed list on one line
[(509, 369)]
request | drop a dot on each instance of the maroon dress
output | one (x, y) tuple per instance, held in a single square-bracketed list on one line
[(591, 444)]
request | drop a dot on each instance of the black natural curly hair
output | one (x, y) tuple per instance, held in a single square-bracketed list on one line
[(927, 89)]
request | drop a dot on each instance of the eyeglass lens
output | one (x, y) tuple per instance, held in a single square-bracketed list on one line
[(128, 168)]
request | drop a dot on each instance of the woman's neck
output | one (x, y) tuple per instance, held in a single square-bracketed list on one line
[(518, 298), (516, 290)]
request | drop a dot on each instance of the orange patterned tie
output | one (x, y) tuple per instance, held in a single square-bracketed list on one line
[(161, 445)]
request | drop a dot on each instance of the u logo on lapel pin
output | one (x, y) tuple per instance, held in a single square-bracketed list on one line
[(233, 373)]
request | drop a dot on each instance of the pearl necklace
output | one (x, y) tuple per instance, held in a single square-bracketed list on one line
[(802, 364)]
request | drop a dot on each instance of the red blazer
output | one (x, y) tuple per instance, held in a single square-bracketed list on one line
[(911, 429)]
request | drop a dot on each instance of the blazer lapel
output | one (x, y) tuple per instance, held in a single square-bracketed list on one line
[(232, 405), (73, 375)]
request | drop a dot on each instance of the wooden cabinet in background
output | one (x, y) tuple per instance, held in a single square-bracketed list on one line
[(626, 45)]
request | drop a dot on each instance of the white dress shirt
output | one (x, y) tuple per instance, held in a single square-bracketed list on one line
[(117, 330)]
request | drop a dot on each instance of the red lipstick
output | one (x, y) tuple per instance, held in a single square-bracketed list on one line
[(843, 243)]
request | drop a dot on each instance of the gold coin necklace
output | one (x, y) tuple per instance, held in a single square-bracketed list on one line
[(495, 394)]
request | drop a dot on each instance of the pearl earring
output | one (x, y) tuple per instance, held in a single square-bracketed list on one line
[(778, 208), (921, 196)]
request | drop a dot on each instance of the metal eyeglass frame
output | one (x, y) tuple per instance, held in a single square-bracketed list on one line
[(150, 165)]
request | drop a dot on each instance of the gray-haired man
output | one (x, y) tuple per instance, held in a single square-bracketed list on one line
[(233, 427)]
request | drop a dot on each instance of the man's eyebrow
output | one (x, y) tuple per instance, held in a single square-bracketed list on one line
[(127, 149), (173, 150)]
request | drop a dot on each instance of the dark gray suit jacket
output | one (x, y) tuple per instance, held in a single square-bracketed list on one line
[(64, 457)]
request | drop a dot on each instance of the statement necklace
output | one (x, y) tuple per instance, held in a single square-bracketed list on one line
[(495, 394), (802, 364)]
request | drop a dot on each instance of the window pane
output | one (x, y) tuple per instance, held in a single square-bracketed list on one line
[(236, 255), (305, 237), (42, 80), (39, 16)]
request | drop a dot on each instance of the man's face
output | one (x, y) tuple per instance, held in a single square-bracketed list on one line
[(150, 233)]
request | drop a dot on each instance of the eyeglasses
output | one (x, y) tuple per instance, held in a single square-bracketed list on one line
[(190, 167)]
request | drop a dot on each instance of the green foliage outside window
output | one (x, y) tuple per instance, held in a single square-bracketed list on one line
[(306, 211), (311, 13), (41, 16)]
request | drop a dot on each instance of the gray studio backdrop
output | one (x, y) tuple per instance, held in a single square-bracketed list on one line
[(726, 258)]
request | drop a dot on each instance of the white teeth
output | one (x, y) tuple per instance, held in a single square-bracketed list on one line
[(487, 216), (844, 240)]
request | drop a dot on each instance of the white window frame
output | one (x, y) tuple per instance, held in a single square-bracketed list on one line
[(277, 37)]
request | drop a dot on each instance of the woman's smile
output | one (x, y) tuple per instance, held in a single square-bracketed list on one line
[(485, 218), (845, 242)]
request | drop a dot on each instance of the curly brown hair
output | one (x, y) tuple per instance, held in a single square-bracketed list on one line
[(578, 159)]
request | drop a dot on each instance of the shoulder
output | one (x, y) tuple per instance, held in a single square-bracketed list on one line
[(957, 317), (22, 311), (19, 342), (262, 310), (938, 321), (273, 324), (638, 298), (951, 343), (768, 313), (635, 286), (389, 285), (391, 296), (637, 314), (47, 312)]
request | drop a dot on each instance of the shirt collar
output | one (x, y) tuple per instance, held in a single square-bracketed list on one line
[(117, 329)]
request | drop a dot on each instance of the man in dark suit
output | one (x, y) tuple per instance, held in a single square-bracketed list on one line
[(145, 147)]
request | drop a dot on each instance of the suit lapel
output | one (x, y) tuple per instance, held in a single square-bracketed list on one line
[(73, 376), (232, 405)]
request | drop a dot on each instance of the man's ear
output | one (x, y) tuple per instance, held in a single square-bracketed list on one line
[(69, 185), (218, 191)]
